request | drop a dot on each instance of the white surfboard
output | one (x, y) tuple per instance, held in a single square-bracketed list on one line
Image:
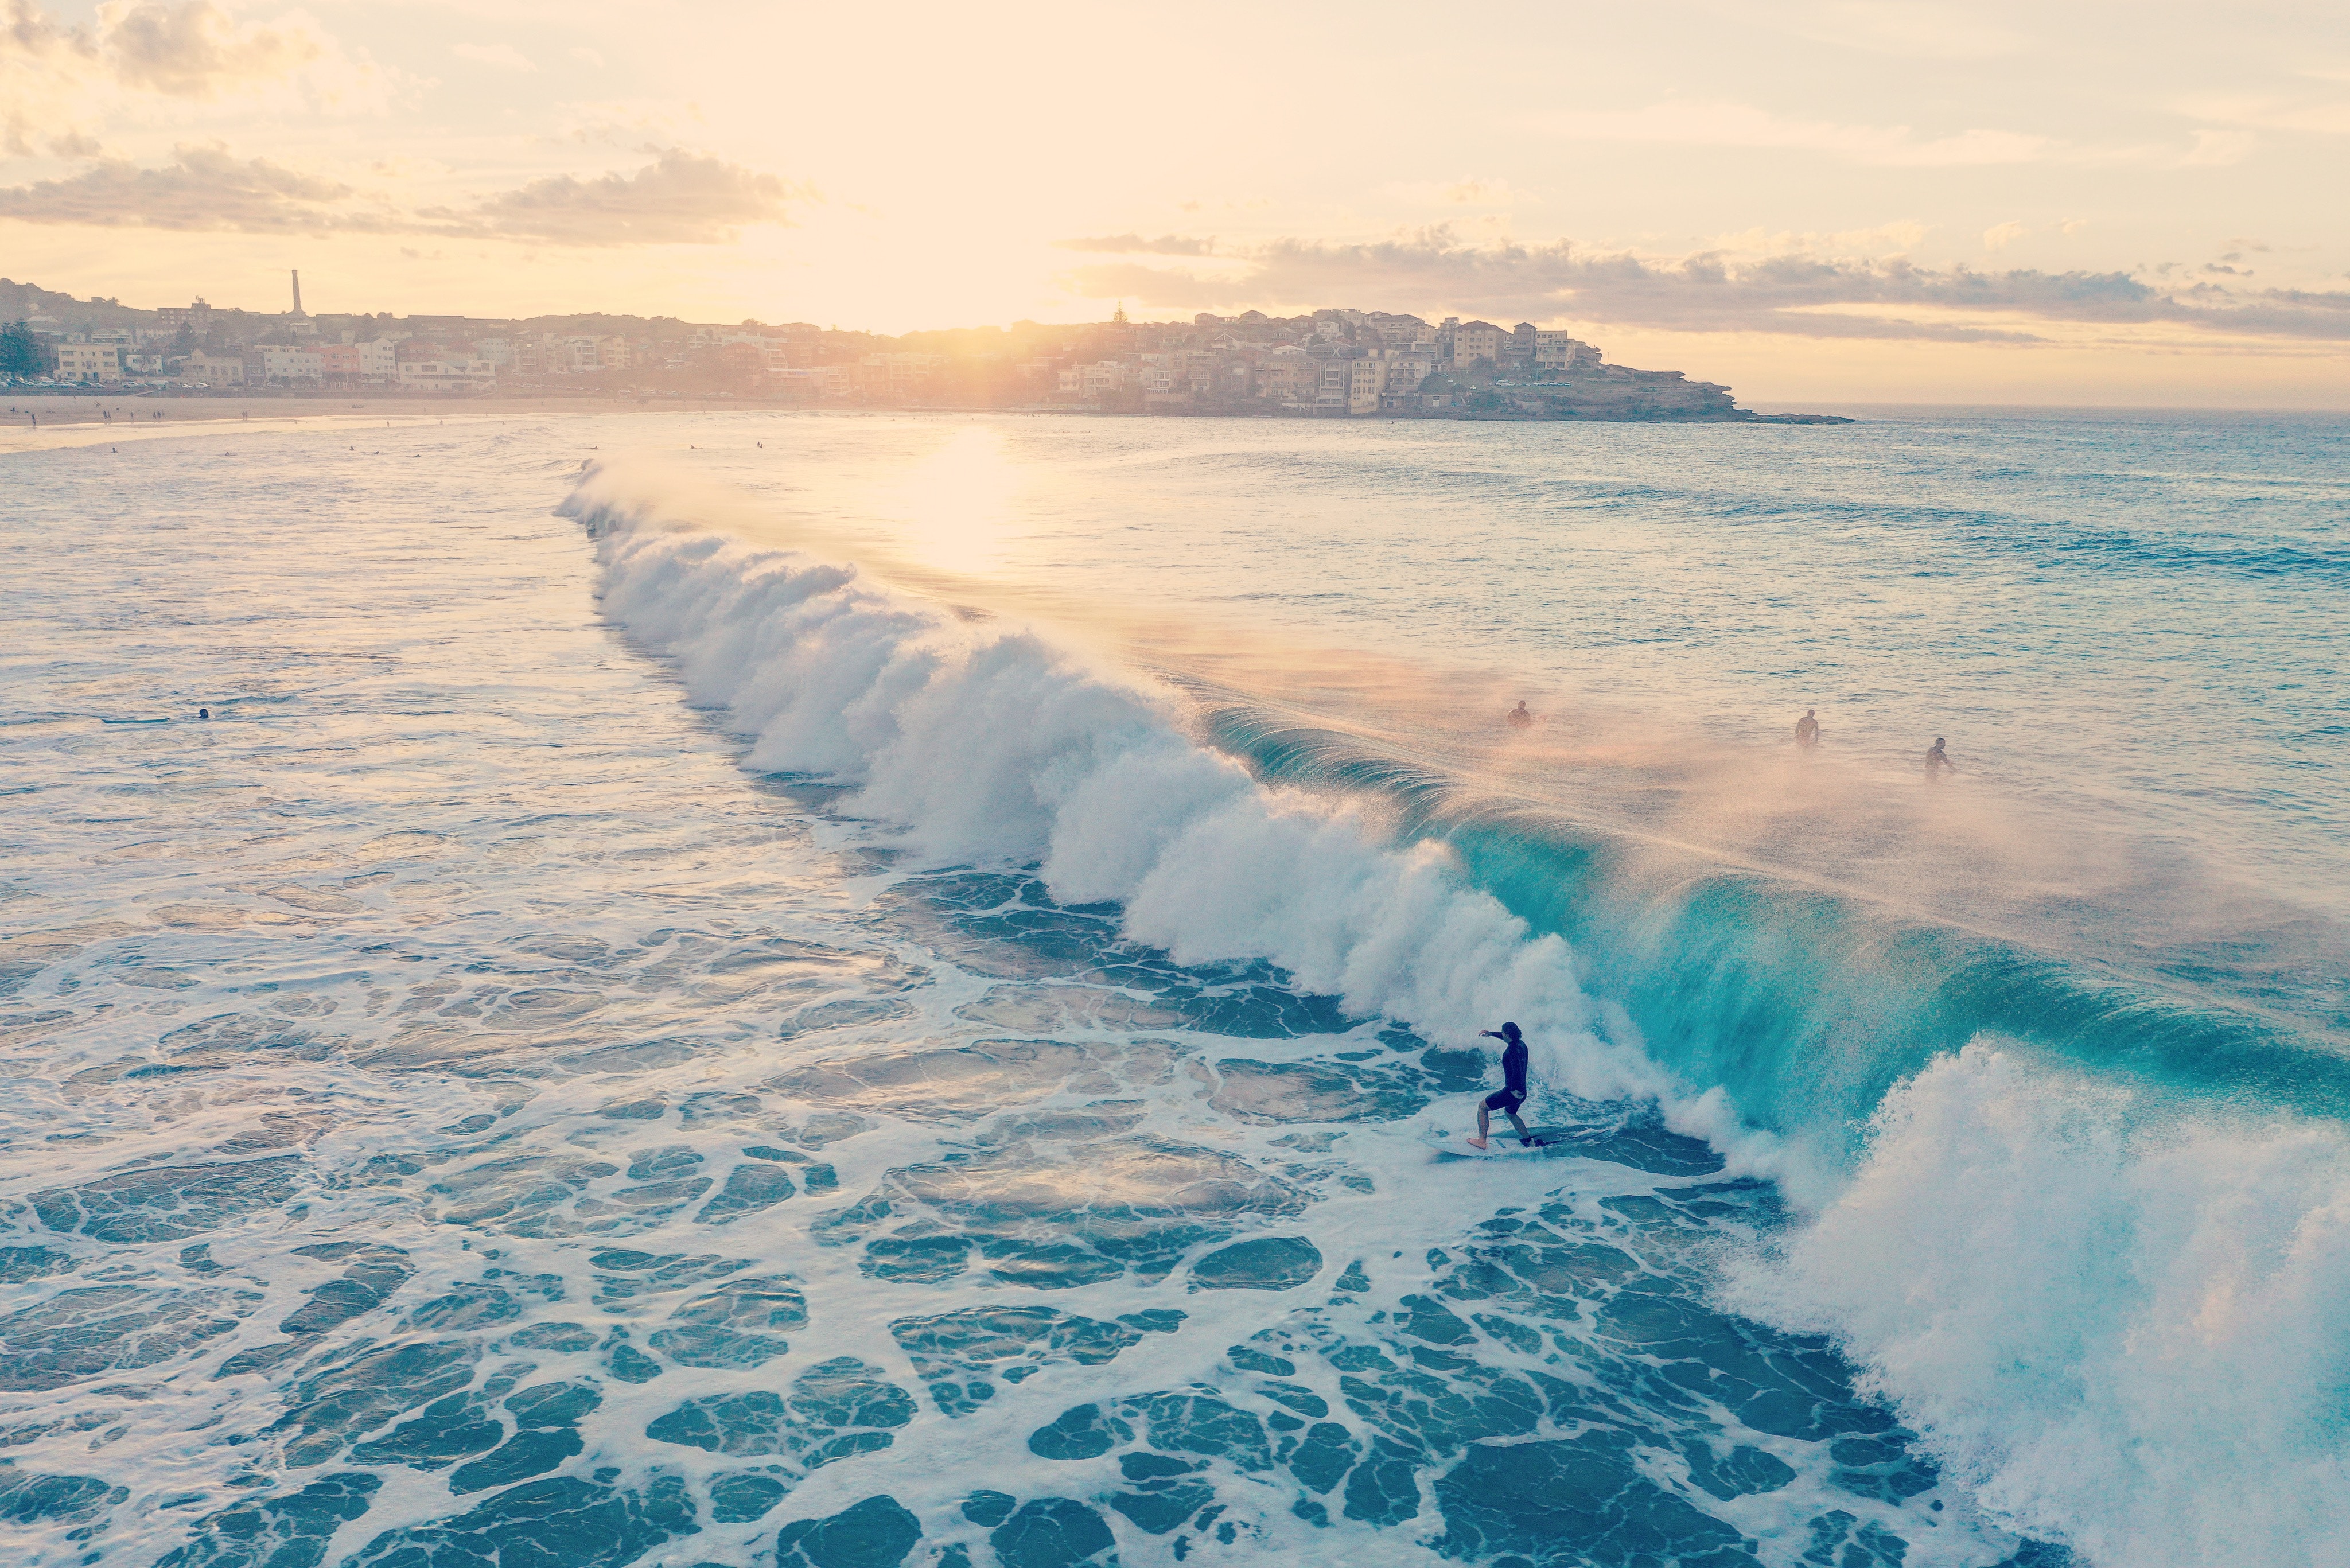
[(1501, 1144)]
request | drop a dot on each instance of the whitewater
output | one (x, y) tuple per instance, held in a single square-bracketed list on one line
[(751, 989)]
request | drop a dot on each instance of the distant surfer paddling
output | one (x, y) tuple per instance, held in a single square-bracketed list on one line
[(1513, 1092)]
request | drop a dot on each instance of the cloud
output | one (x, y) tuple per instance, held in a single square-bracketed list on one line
[(1737, 125), (1135, 244), (1795, 294), (586, 57), (2213, 148), (505, 56), (156, 60), (683, 198), (202, 189), (1912, 29), (1999, 236), (1470, 191), (2324, 117), (194, 50)]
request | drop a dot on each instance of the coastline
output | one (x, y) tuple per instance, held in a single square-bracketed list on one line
[(77, 420)]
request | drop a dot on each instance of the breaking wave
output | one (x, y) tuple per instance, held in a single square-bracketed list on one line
[(2091, 1241)]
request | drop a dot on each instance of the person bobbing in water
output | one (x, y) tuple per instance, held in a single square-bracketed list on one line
[(1513, 1092), (1807, 729), (1937, 761), (1519, 718)]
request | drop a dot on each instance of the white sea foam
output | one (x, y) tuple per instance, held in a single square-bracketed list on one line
[(2118, 1328)]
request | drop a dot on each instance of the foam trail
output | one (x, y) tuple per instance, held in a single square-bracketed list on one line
[(988, 741)]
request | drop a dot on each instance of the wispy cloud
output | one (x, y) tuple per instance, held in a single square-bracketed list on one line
[(151, 60), (500, 57), (195, 50), (1470, 191), (1739, 125), (2322, 116), (681, 198), (190, 50), (202, 188), (1137, 245), (1906, 27), (1795, 294), (1999, 236)]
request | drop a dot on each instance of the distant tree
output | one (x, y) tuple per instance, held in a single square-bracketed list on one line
[(20, 351)]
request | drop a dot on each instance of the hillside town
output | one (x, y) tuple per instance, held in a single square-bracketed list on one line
[(1332, 363)]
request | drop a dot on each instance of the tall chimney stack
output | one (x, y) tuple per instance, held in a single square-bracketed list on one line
[(297, 291)]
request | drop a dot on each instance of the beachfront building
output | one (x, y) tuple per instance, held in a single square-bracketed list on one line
[(448, 375), (200, 368), (1348, 381), (281, 362), (1563, 351), (89, 362), (1475, 340)]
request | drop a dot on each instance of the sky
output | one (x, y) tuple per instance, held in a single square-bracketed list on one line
[(2069, 204)]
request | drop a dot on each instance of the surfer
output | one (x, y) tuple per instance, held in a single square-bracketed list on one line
[(1937, 761), (1513, 1092), (1520, 719), (1807, 729)]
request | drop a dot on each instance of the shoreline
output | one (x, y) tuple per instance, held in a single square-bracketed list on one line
[(53, 422)]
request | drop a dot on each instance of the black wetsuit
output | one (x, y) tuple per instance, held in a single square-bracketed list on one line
[(1513, 1092)]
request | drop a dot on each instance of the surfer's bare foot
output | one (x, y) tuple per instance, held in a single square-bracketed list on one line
[(1476, 1142)]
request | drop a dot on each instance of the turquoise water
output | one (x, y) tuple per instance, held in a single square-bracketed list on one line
[(865, 995)]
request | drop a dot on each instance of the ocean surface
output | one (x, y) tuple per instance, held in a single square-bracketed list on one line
[(833, 991)]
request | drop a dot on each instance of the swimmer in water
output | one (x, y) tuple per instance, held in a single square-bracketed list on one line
[(1807, 730), (203, 712), (1937, 761), (1513, 1092), (1519, 718)]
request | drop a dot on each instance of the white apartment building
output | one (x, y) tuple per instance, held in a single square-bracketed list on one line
[(381, 357), (586, 353), (1350, 385), (89, 362), (498, 351), (448, 375), (1563, 351), (284, 362)]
